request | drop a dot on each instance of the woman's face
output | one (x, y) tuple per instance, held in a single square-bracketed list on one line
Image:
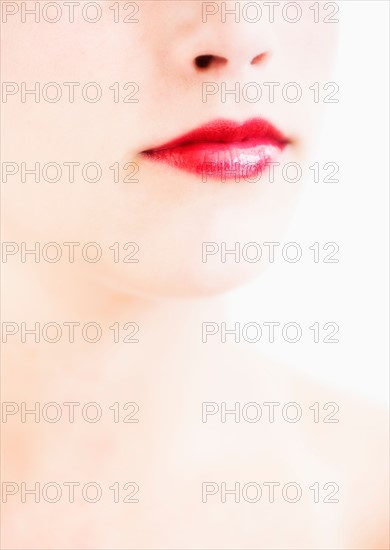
[(163, 69)]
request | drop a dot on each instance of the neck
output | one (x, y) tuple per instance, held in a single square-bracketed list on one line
[(167, 330)]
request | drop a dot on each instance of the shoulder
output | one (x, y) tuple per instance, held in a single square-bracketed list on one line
[(349, 436)]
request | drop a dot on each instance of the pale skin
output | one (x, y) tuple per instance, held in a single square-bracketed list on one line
[(169, 293)]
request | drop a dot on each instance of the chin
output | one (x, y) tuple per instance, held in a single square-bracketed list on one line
[(173, 281)]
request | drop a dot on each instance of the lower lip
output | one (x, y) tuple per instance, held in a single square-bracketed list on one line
[(222, 161)]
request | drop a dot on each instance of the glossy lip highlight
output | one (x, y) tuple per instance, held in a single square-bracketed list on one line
[(223, 149)]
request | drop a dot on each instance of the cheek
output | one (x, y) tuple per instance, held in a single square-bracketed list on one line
[(305, 58), (309, 49), (85, 61), (314, 48)]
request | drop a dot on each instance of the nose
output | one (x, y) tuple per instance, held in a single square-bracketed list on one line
[(224, 44)]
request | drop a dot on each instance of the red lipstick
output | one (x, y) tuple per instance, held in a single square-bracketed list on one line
[(223, 149)]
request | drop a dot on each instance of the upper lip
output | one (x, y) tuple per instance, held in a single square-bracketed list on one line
[(228, 131)]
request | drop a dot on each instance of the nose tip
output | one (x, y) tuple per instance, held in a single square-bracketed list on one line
[(225, 48)]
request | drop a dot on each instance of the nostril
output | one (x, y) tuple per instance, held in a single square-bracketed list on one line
[(206, 61), (203, 61), (259, 58)]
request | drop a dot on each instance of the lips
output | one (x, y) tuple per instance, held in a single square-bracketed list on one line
[(223, 149)]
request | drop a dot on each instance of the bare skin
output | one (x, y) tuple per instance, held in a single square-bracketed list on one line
[(170, 452)]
